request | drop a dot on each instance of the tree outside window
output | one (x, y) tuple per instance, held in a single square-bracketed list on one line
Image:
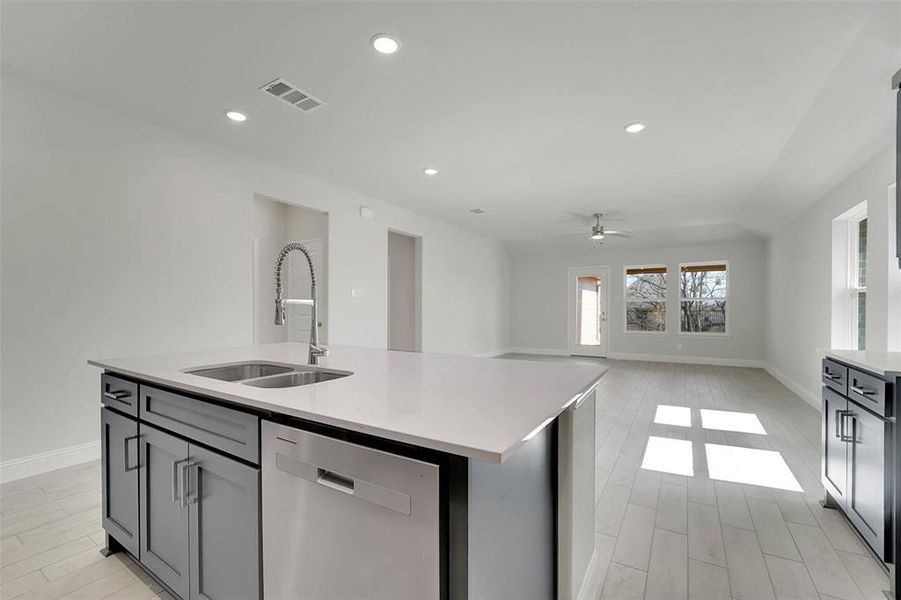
[(645, 298), (703, 293)]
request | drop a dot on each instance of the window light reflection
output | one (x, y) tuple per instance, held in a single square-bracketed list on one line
[(668, 456), (749, 465), (727, 420), (673, 415)]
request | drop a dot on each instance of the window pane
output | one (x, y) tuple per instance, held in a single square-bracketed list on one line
[(861, 320), (862, 253), (588, 310), (703, 316), (645, 286), (703, 284), (645, 316)]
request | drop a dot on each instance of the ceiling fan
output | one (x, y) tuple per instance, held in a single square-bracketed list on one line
[(598, 232)]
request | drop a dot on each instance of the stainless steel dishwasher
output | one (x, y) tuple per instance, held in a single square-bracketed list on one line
[(345, 521)]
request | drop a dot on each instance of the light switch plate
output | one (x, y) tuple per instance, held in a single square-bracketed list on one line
[(358, 292)]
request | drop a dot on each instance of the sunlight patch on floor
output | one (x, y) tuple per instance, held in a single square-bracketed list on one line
[(727, 420), (748, 465), (668, 456), (673, 415)]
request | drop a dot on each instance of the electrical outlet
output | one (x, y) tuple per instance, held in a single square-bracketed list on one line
[(678, 346), (358, 292)]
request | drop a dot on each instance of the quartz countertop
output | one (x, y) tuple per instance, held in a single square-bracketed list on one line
[(481, 408), (887, 364)]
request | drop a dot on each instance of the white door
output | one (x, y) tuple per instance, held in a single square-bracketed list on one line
[(587, 314), (298, 286)]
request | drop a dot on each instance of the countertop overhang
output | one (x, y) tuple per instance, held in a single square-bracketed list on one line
[(887, 364), (479, 408)]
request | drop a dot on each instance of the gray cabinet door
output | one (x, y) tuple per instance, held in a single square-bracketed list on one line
[(224, 497), (164, 517), (867, 503), (119, 465), (835, 449)]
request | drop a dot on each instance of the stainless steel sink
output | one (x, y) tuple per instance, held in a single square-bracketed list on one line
[(241, 371), (306, 376)]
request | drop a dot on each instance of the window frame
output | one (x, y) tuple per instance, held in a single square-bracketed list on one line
[(727, 299), (852, 283), (664, 299)]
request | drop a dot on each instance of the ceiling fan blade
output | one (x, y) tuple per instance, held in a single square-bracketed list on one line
[(615, 232)]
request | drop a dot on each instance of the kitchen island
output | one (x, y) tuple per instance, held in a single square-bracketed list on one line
[(399, 474)]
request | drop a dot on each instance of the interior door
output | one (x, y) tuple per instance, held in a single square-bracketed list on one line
[(587, 314), (835, 448), (298, 286)]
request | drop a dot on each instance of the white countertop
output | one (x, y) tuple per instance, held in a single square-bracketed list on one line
[(887, 364), (475, 407)]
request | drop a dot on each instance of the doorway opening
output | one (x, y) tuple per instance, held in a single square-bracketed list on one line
[(587, 311), (276, 223), (404, 292)]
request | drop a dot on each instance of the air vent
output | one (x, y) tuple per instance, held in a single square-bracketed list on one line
[(291, 94), (478, 211)]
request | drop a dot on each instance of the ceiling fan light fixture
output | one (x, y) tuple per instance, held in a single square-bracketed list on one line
[(597, 236)]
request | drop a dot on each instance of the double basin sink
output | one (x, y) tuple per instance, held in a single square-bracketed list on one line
[(269, 375)]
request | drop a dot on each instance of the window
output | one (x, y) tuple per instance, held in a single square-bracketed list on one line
[(857, 280), (645, 298), (703, 294)]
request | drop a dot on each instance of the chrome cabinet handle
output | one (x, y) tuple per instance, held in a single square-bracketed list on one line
[(137, 463), (177, 483), (839, 423), (832, 376), (862, 390), (187, 497), (116, 395), (844, 436)]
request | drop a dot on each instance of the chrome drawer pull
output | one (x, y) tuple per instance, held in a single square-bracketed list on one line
[(832, 376), (116, 395), (862, 390)]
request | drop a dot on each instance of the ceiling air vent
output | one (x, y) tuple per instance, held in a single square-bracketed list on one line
[(291, 94), (478, 211)]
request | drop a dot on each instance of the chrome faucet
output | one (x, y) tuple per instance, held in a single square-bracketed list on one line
[(316, 351)]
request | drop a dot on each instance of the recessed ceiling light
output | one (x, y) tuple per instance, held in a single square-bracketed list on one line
[(634, 127), (236, 116), (384, 44), (430, 171)]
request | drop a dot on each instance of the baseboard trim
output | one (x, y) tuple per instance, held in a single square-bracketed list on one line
[(36, 464), (798, 389), (592, 579), (690, 360), (493, 353), (543, 351)]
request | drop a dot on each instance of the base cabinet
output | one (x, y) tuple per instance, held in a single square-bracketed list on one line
[(199, 519), (857, 460), (119, 465)]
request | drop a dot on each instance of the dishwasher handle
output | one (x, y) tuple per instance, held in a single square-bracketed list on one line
[(335, 481), (361, 489)]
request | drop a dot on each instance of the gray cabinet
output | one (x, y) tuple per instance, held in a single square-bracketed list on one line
[(857, 461), (119, 465), (224, 509), (200, 514), (835, 450), (164, 514), (868, 499)]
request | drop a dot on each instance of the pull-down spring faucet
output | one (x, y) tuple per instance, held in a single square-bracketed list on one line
[(316, 351)]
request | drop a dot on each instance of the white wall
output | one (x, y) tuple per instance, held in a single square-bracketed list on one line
[(539, 306), (401, 292), (120, 237), (799, 276)]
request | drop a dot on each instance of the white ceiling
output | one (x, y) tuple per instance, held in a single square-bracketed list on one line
[(754, 109)]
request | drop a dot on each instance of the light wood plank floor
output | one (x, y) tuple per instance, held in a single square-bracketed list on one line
[(658, 535), (661, 535)]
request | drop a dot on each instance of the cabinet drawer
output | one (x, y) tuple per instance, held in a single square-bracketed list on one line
[(835, 376), (228, 430), (868, 391), (119, 393)]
